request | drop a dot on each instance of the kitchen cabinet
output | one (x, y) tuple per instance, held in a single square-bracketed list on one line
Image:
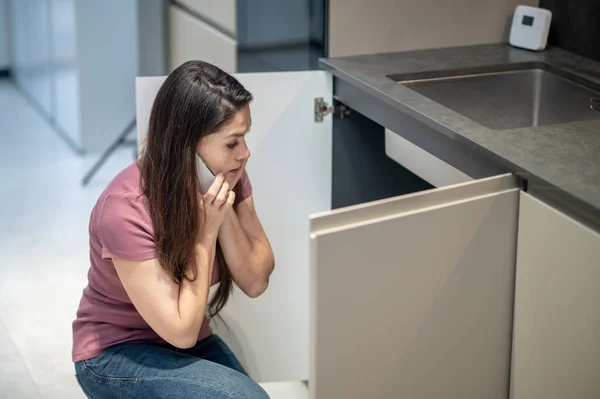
[(247, 36), (556, 347), (220, 12), (193, 39), (410, 296)]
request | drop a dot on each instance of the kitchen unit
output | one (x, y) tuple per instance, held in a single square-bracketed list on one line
[(247, 36), (194, 38), (550, 144), (415, 295)]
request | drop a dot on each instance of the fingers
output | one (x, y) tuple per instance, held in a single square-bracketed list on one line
[(231, 198), (219, 193), (215, 188), (223, 194)]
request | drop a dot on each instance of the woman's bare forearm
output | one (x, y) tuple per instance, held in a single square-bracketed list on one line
[(249, 260), (193, 295)]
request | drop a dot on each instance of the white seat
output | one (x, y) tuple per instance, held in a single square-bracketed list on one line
[(286, 390)]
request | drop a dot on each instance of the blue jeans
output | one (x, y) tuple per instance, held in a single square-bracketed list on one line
[(131, 370)]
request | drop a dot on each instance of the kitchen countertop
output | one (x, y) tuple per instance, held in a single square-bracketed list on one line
[(563, 159)]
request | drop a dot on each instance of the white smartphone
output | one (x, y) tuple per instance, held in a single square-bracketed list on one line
[(205, 175)]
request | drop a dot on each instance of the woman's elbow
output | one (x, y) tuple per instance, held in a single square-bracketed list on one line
[(182, 336), (260, 282), (257, 288), (183, 341)]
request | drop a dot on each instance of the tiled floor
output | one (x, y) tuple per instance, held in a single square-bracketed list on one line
[(44, 215)]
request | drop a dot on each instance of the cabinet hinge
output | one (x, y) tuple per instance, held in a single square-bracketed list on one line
[(595, 104), (322, 109)]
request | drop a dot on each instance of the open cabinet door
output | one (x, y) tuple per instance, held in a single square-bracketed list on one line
[(290, 171), (412, 297)]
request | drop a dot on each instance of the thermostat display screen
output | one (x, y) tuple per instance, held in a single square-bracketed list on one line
[(527, 20)]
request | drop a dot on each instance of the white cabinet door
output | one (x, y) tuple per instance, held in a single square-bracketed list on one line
[(290, 171), (412, 297), (192, 39), (556, 347)]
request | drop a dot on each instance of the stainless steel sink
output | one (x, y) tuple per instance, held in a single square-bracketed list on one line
[(526, 95)]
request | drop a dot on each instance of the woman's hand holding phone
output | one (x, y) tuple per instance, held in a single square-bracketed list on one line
[(217, 201)]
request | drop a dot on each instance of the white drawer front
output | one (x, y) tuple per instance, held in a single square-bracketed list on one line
[(192, 39), (421, 163)]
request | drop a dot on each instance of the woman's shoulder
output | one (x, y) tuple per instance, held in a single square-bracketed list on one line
[(120, 220), (122, 198), (126, 183)]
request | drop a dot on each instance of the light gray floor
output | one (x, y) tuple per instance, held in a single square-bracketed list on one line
[(44, 214)]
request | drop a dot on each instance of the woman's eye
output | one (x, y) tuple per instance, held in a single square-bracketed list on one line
[(232, 146)]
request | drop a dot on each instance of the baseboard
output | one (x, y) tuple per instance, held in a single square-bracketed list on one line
[(4, 73)]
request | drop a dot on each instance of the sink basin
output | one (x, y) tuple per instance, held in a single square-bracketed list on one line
[(524, 96)]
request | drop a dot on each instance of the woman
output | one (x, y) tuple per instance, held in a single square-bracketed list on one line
[(157, 245)]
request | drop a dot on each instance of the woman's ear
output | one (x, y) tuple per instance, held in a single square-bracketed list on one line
[(200, 146)]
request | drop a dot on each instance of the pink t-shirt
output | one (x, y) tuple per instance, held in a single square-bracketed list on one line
[(121, 227)]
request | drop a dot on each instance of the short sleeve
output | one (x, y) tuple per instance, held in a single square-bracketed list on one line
[(124, 229), (243, 188)]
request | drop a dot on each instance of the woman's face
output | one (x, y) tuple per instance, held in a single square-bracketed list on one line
[(225, 151)]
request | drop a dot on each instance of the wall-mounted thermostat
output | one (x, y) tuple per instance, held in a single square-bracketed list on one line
[(530, 27)]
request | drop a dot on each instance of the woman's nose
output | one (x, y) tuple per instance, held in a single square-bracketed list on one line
[(245, 154)]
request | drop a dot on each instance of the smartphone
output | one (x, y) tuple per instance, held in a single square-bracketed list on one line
[(205, 175)]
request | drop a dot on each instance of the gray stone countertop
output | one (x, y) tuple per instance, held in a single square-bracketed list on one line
[(563, 157)]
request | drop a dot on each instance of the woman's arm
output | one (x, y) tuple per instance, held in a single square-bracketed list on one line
[(175, 312), (247, 249)]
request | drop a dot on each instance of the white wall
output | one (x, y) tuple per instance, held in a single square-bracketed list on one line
[(4, 31), (107, 69), (77, 60), (31, 51), (378, 26), (64, 64)]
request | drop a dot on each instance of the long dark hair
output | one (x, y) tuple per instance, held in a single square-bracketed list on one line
[(195, 100)]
